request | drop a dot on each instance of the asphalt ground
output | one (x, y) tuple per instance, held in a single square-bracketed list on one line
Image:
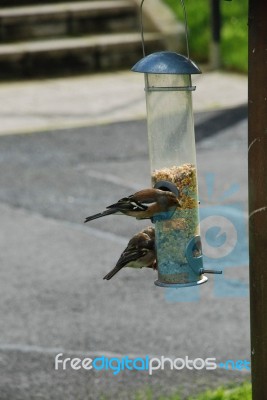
[(53, 297)]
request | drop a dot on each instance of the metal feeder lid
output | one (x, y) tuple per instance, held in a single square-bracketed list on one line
[(166, 62)]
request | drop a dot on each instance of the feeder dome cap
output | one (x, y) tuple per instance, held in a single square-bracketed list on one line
[(166, 62)]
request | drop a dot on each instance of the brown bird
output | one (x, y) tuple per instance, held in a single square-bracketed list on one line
[(144, 204), (139, 253)]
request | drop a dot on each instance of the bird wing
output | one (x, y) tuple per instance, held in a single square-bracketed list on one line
[(125, 258), (128, 204), (138, 247), (138, 201), (131, 255), (134, 251)]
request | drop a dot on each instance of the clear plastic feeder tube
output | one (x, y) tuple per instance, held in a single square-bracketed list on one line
[(170, 120), (172, 154)]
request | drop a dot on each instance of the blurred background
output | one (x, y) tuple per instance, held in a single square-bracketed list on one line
[(73, 140), (58, 37)]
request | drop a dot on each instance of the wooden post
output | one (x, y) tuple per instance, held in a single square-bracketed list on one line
[(257, 176)]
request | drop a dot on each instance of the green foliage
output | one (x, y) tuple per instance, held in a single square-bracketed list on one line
[(235, 35), (234, 31), (241, 392), (144, 395)]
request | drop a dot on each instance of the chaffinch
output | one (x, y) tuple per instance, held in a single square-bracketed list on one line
[(144, 204), (139, 253)]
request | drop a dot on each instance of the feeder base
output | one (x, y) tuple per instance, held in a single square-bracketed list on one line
[(180, 285)]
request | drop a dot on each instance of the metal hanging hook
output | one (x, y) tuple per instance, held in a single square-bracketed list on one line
[(185, 23), (186, 28), (142, 28)]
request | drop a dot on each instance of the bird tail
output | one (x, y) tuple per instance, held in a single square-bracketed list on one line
[(113, 272), (102, 214)]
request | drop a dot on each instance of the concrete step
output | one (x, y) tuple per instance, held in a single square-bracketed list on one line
[(72, 37), (18, 3), (67, 19), (68, 55)]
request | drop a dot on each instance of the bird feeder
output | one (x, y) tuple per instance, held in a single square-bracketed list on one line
[(172, 154)]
